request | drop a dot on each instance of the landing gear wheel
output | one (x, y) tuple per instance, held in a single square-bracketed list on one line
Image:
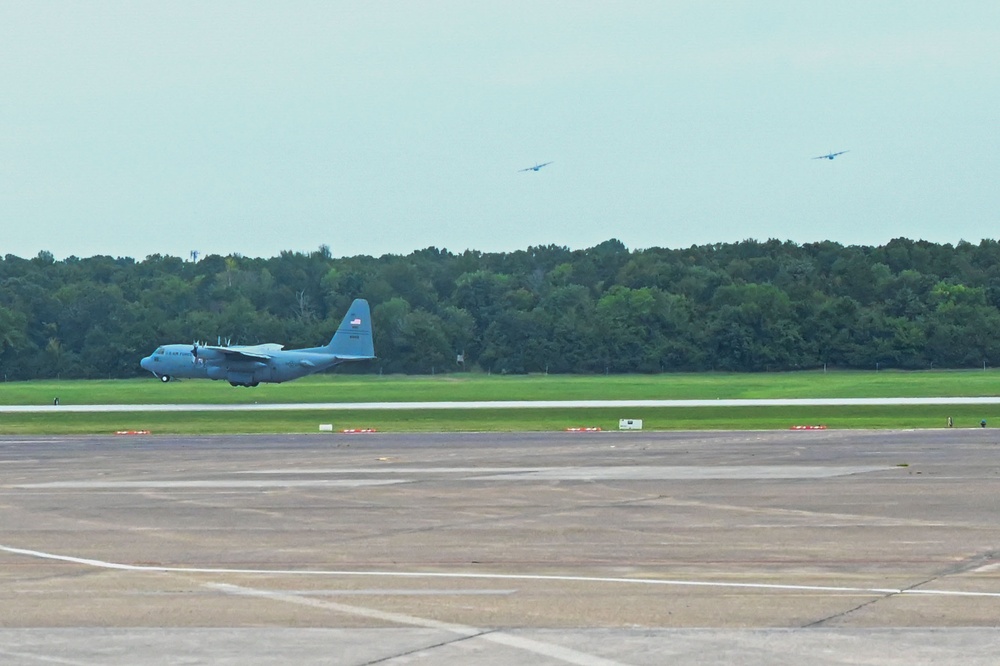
[(164, 378)]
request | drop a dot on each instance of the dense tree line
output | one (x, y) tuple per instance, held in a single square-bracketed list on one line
[(748, 306)]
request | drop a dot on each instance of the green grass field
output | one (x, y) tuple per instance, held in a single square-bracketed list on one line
[(476, 387)]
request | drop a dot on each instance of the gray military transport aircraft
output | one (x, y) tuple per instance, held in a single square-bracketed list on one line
[(830, 156), (536, 167), (251, 365)]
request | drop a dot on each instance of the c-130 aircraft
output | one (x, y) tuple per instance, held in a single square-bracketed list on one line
[(253, 364)]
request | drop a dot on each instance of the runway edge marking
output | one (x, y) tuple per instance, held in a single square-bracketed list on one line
[(495, 576)]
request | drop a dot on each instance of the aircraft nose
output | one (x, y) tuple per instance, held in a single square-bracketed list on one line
[(145, 362)]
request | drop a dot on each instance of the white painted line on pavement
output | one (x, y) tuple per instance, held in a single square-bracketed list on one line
[(494, 576), (567, 655), (504, 404)]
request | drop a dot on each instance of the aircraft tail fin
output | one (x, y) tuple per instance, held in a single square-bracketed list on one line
[(353, 339)]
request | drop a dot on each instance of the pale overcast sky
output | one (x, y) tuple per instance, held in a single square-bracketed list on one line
[(135, 128)]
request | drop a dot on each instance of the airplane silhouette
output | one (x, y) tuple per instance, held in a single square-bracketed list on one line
[(249, 365), (536, 167), (830, 156)]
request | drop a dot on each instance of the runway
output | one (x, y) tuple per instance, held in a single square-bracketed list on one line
[(591, 548), (500, 404)]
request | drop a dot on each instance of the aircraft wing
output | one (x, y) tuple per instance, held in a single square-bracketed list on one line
[(232, 354)]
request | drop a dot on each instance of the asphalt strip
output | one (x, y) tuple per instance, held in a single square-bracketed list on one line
[(500, 404)]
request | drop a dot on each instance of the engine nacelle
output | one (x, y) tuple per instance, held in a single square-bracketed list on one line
[(205, 354)]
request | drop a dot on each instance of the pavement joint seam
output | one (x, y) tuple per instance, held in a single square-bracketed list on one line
[(967, 564), (822, 621), (427, 648)]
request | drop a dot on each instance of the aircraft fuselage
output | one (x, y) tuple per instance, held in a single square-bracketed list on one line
[(181, 362), (249, 365)]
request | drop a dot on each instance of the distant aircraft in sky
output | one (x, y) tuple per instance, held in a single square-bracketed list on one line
[(251, 365), (536, 167), (830, 156)]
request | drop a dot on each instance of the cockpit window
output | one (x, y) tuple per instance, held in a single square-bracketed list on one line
[(159, 351)]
